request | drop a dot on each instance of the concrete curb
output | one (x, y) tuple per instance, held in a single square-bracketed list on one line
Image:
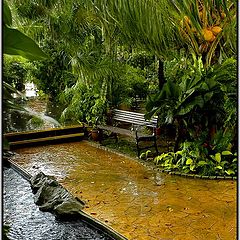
[(147, 164), (198, 176)]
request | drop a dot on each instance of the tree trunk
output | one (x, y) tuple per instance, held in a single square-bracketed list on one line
[(177, 138), (181, 134), (161, 78)]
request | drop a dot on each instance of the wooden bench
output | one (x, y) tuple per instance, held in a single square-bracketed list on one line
[(137, 122)]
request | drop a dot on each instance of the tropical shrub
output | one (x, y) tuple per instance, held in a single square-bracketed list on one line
[(196, 158), (84, 104), (132, 85), (53, 75), (14, 72), (197, 101)]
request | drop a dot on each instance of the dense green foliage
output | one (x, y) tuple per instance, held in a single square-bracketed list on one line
[(57, 69), (196, 157), (14, 73), (202, 104), (15, 43), (180, 55)]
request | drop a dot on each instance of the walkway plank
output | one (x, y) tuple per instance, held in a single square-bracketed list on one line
[(46, 140)]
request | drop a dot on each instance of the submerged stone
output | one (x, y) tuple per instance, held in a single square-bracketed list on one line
[(67, 208), (51, 196)]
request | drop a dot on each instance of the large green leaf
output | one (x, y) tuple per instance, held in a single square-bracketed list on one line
[(218, 157), (225, 153), (202, 163), (208, 96), (16, 43), (189, 161), (230, 172), (7, 16)]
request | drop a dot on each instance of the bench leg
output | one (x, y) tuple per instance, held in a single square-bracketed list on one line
[(116, 137), (155, 145), (138, 149), (100, 136)]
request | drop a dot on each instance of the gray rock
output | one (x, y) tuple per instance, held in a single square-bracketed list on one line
[(52, 197), (68, 208)]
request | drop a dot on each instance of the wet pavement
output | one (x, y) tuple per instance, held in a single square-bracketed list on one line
[(135, 200)]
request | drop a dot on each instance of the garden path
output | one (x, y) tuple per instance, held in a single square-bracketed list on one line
[(135, 200)]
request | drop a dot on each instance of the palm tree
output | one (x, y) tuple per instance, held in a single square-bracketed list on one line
[(207, 27), (72, 27), (204, 28)]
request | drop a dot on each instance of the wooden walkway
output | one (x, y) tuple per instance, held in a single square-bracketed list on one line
[(48, 136)]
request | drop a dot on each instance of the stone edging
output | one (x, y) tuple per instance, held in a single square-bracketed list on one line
[(99, 225), (82, 215), (197, 175), (147, 164), (19, 170)]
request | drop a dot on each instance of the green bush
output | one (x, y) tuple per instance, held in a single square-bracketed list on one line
[(84, 104), (200, 158)]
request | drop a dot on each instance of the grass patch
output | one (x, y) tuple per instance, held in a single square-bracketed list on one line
[(123, 145), (128, 146)]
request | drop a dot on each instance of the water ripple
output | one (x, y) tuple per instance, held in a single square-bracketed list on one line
[(27, 222)]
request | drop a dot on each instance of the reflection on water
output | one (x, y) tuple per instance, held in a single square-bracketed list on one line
[(35, 117), (39, 114), (30, 89), (27, 222), (43, 117), (14, 121)]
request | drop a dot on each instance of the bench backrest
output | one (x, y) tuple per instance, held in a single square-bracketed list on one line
[(133, 117)]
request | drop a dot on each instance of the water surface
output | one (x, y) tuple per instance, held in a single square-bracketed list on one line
[(28, 222)]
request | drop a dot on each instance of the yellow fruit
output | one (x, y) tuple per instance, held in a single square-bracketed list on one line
[(216, 30), (187, 20), (181, 23), (212, 39), (194, 30), (207, 34), (223, 15)]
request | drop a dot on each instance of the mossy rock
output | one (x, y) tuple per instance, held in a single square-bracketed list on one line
[(51, 196)]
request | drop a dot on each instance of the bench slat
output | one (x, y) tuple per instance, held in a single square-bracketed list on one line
[(132, 117), (134, 122), (127, 112), (121, 112)]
